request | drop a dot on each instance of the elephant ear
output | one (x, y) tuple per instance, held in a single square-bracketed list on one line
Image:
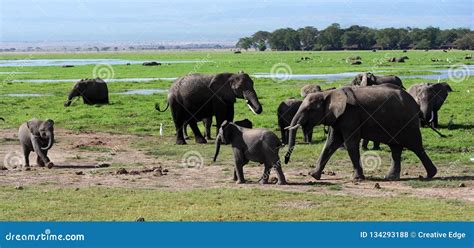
[(33, 126), (49, 123), (335, 105), (221, 87), (447, 87)]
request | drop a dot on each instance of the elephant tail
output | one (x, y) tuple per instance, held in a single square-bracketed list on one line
[(157, 107), (2, 119), (218, 147), (438, 132)]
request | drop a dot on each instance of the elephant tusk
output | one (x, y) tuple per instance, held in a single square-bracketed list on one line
[(432, 117), (293, 127), (251, 109)]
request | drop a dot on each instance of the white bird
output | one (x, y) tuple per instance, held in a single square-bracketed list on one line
[(161, 129)]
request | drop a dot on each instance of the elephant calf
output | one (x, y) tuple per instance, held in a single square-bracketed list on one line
[(310, 88), (92, 91), (38, 136), (257, 145)]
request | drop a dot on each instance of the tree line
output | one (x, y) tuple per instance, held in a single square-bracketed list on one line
[(358, 38)]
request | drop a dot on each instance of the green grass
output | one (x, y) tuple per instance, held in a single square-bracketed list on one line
[(135, 114), (98, 203)]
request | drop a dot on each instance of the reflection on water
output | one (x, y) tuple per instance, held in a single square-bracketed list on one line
[(61, 62), (143, 92)]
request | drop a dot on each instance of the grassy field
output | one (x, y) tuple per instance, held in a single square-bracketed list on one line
[(135, 115)]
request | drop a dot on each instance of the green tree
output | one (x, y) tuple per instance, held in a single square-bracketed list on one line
[(330, 38), (244, 43), (308, 36), (260, 40), (465, 42), (285, 39)]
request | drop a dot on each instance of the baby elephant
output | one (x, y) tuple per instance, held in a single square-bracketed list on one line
[(36, 135), (257, 145)]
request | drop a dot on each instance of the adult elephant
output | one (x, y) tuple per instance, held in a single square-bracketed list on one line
[(92, 91), (368, 79), (309, 88), (430, 97), (385, 114), (197, 96), (285, 113)]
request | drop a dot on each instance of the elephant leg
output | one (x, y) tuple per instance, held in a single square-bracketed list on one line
[(266, 173), (197, 133), (39, 161), (178, 120), (26, 154), (279, 171), (41, 153), (426, 161), (435, 119), (394, 172), (208, 124), (240, 161), (310, 135), (352, 143), (235, 174), (365, 144), (333, 142)]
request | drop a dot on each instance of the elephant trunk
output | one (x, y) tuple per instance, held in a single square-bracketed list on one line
[(73, 94), (427, 113), (252, 102), (295, 123), (218, 147), (50, 142)]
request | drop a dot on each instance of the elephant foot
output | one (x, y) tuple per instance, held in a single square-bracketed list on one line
[(359, 177), (201, 140), (187, 138), (282, 182), (432, 173), (40, 163), (240, 182), (315, 174), (50, 165), (180, 142)]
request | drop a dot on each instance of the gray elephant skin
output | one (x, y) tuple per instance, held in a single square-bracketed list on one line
[(92, 91), (369, 79), (430, 97), (309, 88), (285, 113), (383, 113), (38, 136), (257, 145), (197, 96), (208, 123)]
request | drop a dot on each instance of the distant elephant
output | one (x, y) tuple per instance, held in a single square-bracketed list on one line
[(357, 62), (152, 63), (430, 97), (354, 58), (369, 79), (310, 88), (197, 96), (383, 113), (258, 145), (38, 136), (399, 60), (92, 91)]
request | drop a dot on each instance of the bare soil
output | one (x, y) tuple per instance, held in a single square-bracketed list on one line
[(77, 165)]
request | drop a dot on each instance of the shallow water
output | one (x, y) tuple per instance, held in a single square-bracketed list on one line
[(24, 95), (143, 92), (61, 62)]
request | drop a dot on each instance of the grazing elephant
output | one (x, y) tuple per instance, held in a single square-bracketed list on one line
[(258, 145), (368, 79), (152, 63), (92, 91), (399, 60), (197, 96), (385, 114), (38, 136), (357, 62), (310, 88), (430, 97)]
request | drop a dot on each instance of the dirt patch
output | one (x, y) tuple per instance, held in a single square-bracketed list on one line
[(84, 159)]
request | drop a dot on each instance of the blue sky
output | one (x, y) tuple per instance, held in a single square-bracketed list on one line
[(204, 20)]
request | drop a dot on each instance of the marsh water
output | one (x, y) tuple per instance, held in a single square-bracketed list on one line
[(61, 62)]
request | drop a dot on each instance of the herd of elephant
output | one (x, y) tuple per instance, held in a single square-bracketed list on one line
[(370, 107)]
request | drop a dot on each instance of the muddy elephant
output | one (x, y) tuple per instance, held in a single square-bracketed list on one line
[(382, 113), (38, 136), (198, 96), (430, 97), (258, 145), (92, 91), (309, 88), (369, 79)]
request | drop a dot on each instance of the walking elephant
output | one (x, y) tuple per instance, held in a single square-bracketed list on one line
[(38, 136), (197, 96), (258, 145), (384, 114), (369, 79), (92, 91), (430, 97)]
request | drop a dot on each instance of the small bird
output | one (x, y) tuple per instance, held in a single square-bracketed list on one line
[(451, 122), (161, 129)]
